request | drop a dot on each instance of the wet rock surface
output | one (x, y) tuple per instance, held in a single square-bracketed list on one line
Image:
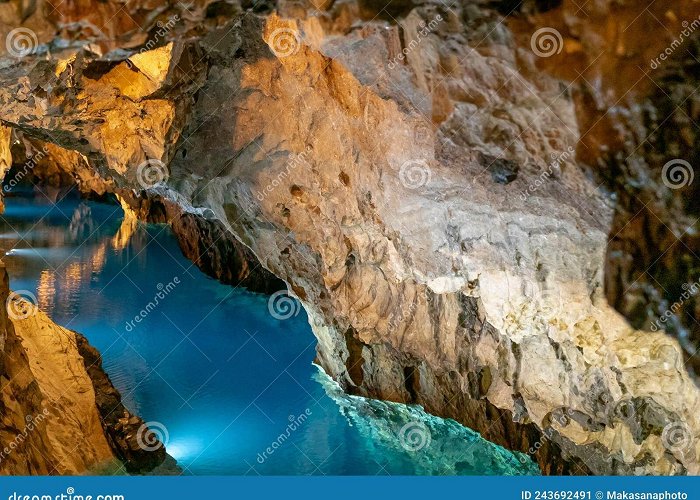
[(420, 186), (217, 253), (60, 413), (437, 446), (125, 431), (49, 420)]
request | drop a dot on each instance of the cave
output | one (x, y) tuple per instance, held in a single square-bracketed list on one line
[(349, 238)]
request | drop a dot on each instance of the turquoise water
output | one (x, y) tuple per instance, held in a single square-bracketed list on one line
[(232, 390)]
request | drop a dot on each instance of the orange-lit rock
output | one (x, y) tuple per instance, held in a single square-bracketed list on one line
[(59, 411), (420, 190)]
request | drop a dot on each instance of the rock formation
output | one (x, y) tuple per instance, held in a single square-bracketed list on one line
[(637, 108), (417, 184), (59, 414), (434, 446)]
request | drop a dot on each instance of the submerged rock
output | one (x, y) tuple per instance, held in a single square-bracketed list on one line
[(433, 445), (137, 448)]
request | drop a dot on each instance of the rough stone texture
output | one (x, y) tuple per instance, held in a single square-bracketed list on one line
[(120, 426), (216, 252), (403, 202), (435, 446), (651, 277), (47, 400), (59, 413), (637, 112)]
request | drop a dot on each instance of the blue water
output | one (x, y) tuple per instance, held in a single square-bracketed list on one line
[(233, 388)]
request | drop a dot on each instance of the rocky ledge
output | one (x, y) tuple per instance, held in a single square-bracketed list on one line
[(416, 183), (59, 413)]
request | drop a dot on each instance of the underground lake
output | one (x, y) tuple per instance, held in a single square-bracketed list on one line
[(226, 385)]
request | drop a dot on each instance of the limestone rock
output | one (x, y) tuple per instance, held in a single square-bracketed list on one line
[(426, 204), (58, 409), (50, 424)]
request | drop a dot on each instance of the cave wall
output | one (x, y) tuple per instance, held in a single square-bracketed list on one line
[(49, 422), (430, 207)]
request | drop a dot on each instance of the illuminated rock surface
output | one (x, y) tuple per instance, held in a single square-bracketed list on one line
[(55, 397), (390, 197)]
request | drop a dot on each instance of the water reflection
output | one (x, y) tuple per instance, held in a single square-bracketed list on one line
[(209, 362), (439, 446), (51, 247)]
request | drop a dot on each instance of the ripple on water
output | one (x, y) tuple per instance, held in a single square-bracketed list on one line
[(226, 380)]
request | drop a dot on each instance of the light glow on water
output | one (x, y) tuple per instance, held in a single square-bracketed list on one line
[(234, 387), (26, 252), (185, 450)]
